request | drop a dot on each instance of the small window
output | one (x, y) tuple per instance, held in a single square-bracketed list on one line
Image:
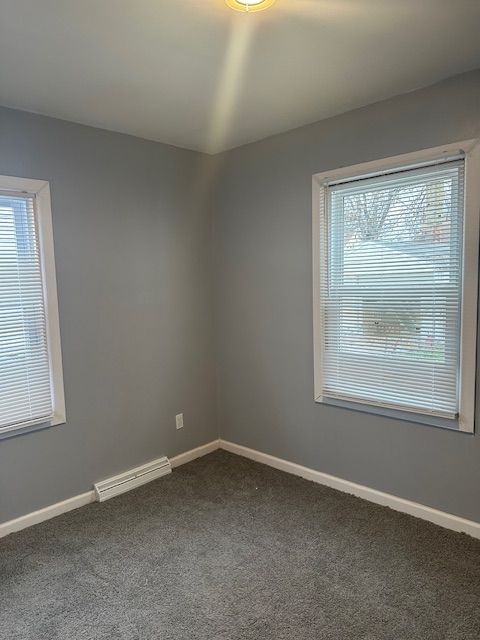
[(31, 381), (392, 330)]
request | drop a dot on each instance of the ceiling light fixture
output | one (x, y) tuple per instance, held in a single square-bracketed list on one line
[(249, 5)]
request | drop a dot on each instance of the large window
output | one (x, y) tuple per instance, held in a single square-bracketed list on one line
[(31, 386), (391, 327)]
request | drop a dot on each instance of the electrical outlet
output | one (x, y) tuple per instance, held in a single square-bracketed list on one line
[(179, 421)]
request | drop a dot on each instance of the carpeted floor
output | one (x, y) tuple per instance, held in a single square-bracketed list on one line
[(227, 549)]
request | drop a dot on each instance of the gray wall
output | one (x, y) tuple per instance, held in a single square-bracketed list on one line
[(135, 299), (264, 304)]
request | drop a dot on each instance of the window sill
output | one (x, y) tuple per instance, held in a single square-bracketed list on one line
[(405, 416), (21, 429)]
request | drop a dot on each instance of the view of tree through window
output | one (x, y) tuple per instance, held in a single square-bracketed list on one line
[(391, 260)]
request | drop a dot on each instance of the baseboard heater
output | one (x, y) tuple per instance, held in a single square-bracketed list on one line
[(131, 479)]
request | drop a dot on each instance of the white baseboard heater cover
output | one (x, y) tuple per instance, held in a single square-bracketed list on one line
[(131, 479)]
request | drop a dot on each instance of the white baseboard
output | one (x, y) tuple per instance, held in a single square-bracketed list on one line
[(440, 518), (53, 510), (35, 517), (198, 452)]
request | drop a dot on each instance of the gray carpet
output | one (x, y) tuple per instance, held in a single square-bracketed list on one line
[(227, 549)]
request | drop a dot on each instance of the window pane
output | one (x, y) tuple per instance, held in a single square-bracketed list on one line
[(392, 312)]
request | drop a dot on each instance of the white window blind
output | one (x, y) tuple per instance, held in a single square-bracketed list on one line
[(391, 289), (25, 380)]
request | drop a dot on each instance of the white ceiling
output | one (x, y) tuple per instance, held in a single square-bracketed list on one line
[(196, 74)]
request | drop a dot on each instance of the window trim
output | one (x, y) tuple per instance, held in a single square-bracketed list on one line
[(470, 149), (40, 189)]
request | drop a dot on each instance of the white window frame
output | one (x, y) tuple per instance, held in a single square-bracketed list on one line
[(40, 190), (468, 329)]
